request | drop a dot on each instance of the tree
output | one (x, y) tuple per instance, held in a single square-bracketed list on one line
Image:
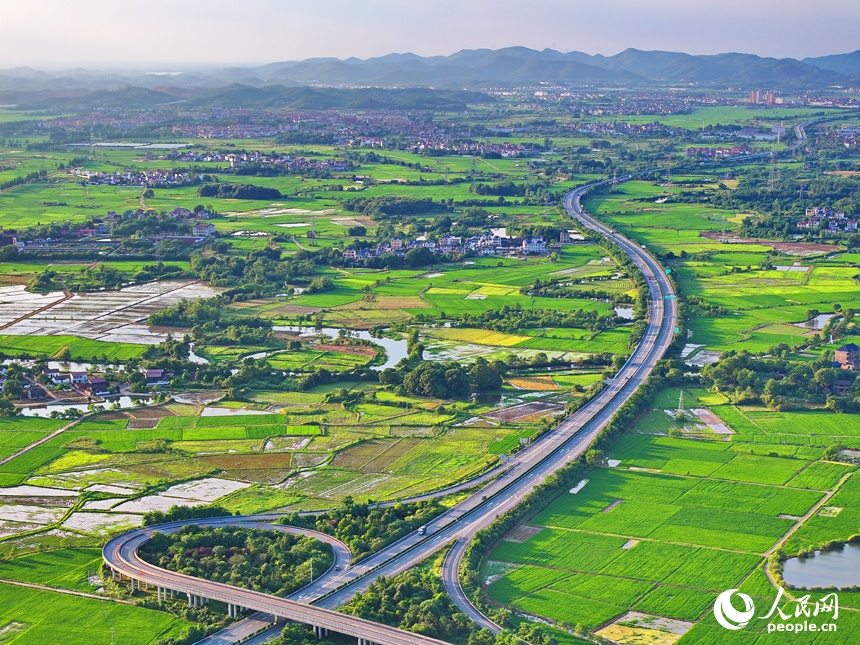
[(593, 457), (13, 388), (323, 283), (422, 256), (484, 377)]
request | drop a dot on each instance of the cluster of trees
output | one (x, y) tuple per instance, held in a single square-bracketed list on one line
[(23, 179), (238, 191), (501, 188), (178, 513), (264, 268), (274, 562), (388, 207), (366, 528), (512, 318), (781, 383), (416, 601), (445, 380), (158, 271), (780, 208)]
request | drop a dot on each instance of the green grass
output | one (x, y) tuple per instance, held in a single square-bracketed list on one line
[(821, 475), (522, 581), (80, 348), (44, 614), (762, 470), (64, 568), (677, 602)]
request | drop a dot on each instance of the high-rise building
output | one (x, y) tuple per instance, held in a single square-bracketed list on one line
[(755, 96)]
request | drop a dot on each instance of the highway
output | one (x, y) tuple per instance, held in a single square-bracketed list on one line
[(457, 525), (539, 460), (120, 555), (500, 490)]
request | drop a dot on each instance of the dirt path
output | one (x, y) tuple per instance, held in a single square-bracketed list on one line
[(66, 296), (82, 594), (491, 165), (41, 441), (296, 242), (141, 200), (97, 263), (812, 511)]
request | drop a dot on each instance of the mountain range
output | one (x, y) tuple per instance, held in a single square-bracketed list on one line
[(467, 69)]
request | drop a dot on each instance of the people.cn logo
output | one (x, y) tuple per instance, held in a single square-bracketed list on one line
[(727, 615)]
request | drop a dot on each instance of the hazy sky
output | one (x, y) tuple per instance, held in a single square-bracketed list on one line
[(176, 34)]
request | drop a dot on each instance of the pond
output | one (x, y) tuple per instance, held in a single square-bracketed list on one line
[(840, 568), (125, 402), (395, 349), (625, 312)]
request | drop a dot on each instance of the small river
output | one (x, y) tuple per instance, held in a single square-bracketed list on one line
[(816, 323), (840, 568)]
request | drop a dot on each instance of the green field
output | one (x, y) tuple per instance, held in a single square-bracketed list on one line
[(38, 616)]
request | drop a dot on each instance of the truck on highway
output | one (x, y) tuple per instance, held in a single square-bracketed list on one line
[(422, 530)]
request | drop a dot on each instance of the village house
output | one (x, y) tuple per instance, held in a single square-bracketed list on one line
[(57, 377), (570, 237), (35, 393), (847, 357), (534, 245), (97, 385), (841, 386), (79, 378), (158, 376), (204, 229)]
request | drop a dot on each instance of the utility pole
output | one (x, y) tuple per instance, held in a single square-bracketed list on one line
[(771, 182), (614, 182)]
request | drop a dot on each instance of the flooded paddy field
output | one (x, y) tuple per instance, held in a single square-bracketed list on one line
[(109, 316)]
